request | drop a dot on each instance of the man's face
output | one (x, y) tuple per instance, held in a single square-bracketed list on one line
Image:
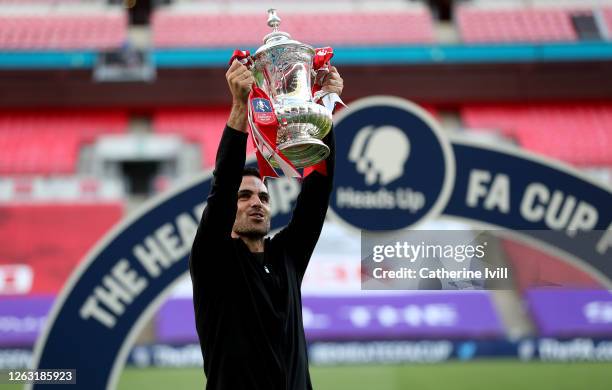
[(253, 213)]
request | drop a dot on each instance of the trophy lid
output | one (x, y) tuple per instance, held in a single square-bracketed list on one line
[(276, 37)]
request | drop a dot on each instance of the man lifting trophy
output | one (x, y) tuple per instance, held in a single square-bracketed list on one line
[(246, 286)]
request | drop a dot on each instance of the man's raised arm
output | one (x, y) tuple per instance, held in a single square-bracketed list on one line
[(302, 232), (220, 212)]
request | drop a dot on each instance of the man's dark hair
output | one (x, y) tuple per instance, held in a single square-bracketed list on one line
[(252, 171)]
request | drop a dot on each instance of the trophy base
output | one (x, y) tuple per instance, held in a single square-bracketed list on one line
[(304, 152)]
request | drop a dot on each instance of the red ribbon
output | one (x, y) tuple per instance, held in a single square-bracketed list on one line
[(267, 123), (243, 56), (321, 63)]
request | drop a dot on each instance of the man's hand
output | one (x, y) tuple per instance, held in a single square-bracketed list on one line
[(332, 81), (239, 79)]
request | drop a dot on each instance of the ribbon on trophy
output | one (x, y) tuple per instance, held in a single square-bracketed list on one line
[(320, 68), (264, 124)]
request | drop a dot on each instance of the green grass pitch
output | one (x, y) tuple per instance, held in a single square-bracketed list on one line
[(474, 375)]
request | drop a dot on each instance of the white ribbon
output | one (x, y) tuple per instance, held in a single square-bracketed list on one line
[(328, 99)]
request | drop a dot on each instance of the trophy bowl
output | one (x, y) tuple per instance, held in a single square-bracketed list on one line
[(283, 70)]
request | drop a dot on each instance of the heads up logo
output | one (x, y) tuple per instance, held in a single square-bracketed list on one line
[(380, 153), (394, 166)]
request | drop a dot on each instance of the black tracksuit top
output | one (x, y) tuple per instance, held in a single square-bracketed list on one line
[(249, 314)]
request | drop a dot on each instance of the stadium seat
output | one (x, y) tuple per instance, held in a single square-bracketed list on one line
[(607, 17), (97, 28), (533, 268), (199, 126), (579, 134), (49, 143), (51, 1), (52, 238), (183, 29), (478, 25)]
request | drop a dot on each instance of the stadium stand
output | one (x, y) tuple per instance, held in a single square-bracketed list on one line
[(579, 134), (70, 188), (533, 268), (54, 2), (476, 24), (198, 126), (52, 238), (201, 27), (62, 26), (607, 18), (49, 143)]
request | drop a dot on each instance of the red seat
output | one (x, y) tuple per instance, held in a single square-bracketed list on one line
[(49, 143), (577, 134), (176, 29), (204, 127), (52, 238), (54, 30), (607, 16), (534, 268), (477, 24), (21, 2)]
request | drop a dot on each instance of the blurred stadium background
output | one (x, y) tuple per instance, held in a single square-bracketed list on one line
[(105, 104)]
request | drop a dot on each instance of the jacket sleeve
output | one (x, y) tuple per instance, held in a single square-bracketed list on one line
[(219, 214), (300, 236)]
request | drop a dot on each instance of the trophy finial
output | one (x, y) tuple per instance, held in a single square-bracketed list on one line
[(273, 19)]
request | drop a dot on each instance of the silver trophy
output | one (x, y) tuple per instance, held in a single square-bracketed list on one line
[(283, 69)]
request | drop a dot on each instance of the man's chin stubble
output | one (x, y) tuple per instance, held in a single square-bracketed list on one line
[(253, 233)]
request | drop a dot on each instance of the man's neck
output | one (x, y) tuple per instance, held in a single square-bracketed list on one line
[(255, 244)]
